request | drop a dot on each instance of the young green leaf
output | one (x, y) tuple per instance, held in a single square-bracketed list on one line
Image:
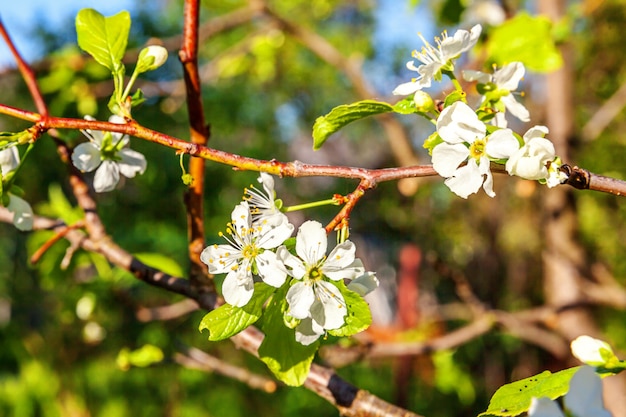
[(359, 316), (525, 38), (342, 115), (104, 38), (514, 398), (288, 360), (227, 320)]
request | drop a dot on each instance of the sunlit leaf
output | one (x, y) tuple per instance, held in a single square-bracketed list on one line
[(359, 316), (514, 398), (342, 115), (227, 320), (527, 39), (288, 360), (104, 38)]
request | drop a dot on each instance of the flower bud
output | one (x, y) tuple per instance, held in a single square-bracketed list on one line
[(592, 351), (151, 58), (423, 102)]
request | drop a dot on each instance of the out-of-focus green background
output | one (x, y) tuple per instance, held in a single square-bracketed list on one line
[(61, 329)]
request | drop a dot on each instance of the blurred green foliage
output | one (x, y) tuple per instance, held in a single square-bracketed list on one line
[(262, 91)]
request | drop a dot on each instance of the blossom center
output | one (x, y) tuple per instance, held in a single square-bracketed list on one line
[(477, 149), (314, 273), (250, 251)]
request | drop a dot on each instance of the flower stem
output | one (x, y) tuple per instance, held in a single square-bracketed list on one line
[(330, 201)]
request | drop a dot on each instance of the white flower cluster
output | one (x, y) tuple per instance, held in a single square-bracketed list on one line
[(255, 248), (465, 145)]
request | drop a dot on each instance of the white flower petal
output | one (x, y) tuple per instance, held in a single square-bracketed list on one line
[(9, 160), (271, 270), (364, 284), (515, 108), (535, 132), (485, 170), (466, 180), (478, 76), (86, 157), (311, 242), (273, 231), (329, 310), (107, 177), (406, 88), (502, 144), (340, 258), (461, 42), (308, 332), (509, 76), (458, 123), (585, 394), (296, 267), (22, 213), (446, 158), (238, 288), (220, 259), (300, 297), (544, 407), (132, 163)]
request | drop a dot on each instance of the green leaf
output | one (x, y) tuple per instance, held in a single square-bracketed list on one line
[(104, 38), (288, 360), (405, 106), (342, 115), (227, 320), (514, 398), (161, 262), (359, 316), (527, 39)]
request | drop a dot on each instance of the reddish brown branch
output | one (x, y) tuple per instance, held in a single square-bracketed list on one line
[(199, 134)]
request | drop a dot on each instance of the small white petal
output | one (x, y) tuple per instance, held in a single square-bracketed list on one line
[(238, 288), (271, 270), (296, 267), (585, 394), (466, 180), (311, 242), (9, 160), (502, 144), (364, 284), (515, 108), (220, 258), (544, 407), (308, 332), (86, 157), (446, 158), (340, 258), (300, 297), (22, 213), (509, 76), (132, 163), (458, 123), (478, 76), (329, 310), (107, 177)]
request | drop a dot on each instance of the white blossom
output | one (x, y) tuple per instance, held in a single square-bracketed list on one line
[(465, 154), (21, 210), (591, 351), (532, 159), (247, 251), (109, 153), (434, 59), (584, 398), (9, 160), (314, 296), (504, 81)]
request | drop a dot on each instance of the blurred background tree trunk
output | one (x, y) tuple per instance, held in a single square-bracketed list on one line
[(565, 260)]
